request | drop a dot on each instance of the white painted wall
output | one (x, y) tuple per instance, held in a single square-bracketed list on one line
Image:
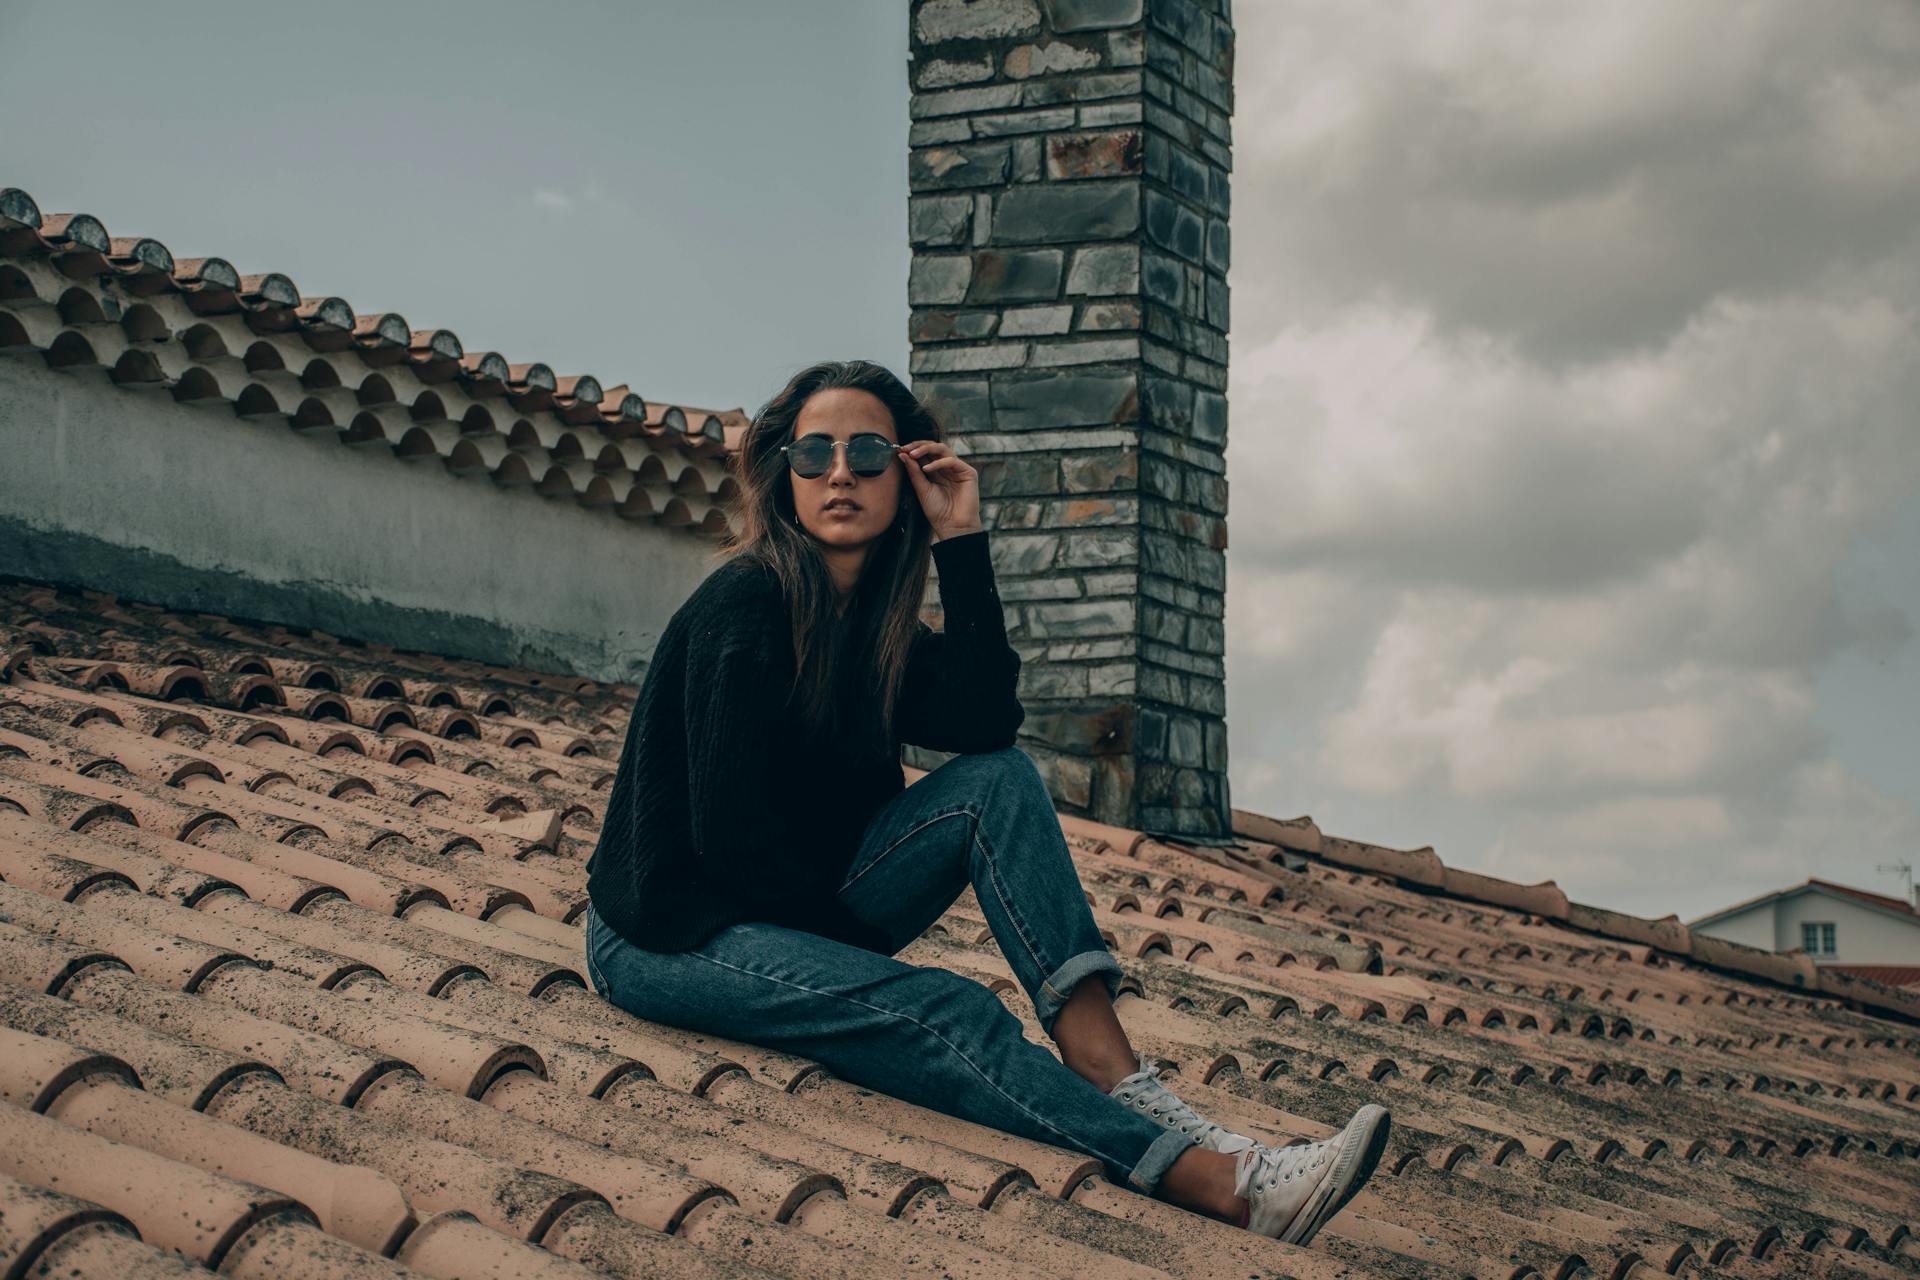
[(1861, 934), (192, 507), (1753, 927)]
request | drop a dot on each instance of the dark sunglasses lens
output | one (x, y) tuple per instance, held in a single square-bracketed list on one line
[(869, 455), (811, 456)]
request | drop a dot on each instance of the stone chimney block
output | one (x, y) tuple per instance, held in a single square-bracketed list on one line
[(1068, 169)]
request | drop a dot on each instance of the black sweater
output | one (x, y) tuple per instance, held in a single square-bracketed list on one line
[(722, 812)]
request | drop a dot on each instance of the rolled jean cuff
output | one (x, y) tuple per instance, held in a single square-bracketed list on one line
[(1145, 1176), (1059, 984)]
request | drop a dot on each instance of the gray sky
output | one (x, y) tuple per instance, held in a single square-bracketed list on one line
[(694, 198), (1576, 351)]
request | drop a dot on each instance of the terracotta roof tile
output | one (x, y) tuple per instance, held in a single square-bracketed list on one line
[(173, 1204), (1877, 899), (280, 957), (1892, 975), (211, 335)]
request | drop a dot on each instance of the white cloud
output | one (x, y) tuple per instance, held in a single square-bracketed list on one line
[(1575, 348), (588, 199), (1576, 177)]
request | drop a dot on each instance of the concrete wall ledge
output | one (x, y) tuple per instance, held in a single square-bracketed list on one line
[(194, 508)]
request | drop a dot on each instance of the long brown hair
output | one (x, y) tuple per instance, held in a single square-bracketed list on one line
[(870, 643)]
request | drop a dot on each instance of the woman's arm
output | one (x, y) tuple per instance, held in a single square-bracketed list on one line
[(961, 687), (744, 850)]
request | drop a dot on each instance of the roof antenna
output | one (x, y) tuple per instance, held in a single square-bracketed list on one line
[(1903, 869)]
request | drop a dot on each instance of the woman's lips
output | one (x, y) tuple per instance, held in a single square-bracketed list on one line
[(843, 511)]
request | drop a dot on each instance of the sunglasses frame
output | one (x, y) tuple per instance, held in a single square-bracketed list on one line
[(848, 444)]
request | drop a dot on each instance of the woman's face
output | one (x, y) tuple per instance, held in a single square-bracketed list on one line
[(840, 413)]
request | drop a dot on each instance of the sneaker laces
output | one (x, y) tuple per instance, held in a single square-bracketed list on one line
[(1262, 1168), (1165, 1103)]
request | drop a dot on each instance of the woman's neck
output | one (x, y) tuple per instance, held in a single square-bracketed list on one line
[(844, 566)]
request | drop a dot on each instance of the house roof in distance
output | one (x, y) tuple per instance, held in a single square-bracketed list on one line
[(204, 333), (1873, 899), (290, 979), (1827, 888)]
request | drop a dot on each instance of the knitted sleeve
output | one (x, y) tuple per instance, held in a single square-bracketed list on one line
[(745, 851), (960, 692)]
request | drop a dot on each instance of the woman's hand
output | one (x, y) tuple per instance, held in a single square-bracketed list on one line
[(948, 488)]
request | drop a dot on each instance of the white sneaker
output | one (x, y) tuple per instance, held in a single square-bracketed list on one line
[(1143, 1091), (1291, 1192)]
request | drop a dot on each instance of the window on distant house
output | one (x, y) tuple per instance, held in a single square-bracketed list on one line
[(1816, 938)]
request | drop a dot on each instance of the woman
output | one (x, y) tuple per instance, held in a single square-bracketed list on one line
[(761, 861)]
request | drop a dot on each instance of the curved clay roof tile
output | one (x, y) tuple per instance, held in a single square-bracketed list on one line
[(513, 471), (386, 329), (555, 482), (466, 459), (206, 273), (18, 209), (531, 377), (77, 231), (269, 304), (195, 386), (579, 386), (488, 366), (70, 349), (621, 404), (269, 289), (577, 400), (334, 313), (434, 354), (77, 306), (137, 369), (442, 344), (140, 253)]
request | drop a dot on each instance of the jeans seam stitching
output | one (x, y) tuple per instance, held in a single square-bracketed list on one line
[(894, 1013), (1020, 927), (880, 857), (602, 987)]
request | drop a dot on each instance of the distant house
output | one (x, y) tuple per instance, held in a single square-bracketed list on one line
[(1869, 935)]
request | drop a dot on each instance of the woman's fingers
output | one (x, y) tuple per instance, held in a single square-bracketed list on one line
[(930, 460)]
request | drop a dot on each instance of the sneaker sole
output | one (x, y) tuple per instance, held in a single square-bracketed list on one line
[(1364, 1138)]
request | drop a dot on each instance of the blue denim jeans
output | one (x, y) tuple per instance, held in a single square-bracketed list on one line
[(921, 1033)]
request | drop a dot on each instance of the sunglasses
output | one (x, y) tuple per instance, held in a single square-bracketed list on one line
[(868, 454)]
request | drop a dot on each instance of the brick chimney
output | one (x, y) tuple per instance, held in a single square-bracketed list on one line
[(1068, 216)]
